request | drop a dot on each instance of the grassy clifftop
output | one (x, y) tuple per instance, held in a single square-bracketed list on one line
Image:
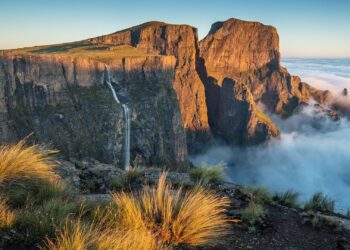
[(98, 52)]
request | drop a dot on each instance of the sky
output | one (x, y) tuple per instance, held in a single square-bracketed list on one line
[(307, 28)]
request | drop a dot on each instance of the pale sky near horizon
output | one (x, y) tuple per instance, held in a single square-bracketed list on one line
[(307, 28)]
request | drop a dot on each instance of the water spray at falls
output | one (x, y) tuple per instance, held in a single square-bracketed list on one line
[(126, 121)]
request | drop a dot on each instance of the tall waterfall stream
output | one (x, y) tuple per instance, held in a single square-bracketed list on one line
[(126, 121)]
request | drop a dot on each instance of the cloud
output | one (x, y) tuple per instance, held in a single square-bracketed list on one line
[(312, 154)]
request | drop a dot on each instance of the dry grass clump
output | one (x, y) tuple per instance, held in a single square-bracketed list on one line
[(20, 162), (253, 214), (288, 199), (320, 202), (77, 235), (208, 174), (31, 187), (6, 216), (156, 218), (74, 236), (173, 217), (260, 195)]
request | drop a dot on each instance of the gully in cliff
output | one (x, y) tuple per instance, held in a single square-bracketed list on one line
[(126, 121)]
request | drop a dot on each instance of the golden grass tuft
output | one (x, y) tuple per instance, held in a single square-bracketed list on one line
[(6, 216), (21, 162), (74, 236), (173, 217), (156, 218)]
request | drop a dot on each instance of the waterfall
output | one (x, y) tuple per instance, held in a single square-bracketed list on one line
[(126, 121), (109, 83), (127, 137)]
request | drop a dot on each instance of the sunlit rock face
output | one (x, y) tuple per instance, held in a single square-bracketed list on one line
[(236, 46), (180, 41), (248, 54)]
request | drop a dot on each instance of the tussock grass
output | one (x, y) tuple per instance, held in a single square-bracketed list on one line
[(320, 202), (35, 223), (6, 216), (30, 185), (288, 199), (208, 174), (261, 195), (156, 218), (77, 235), (34, 192), (74, 236), (131, 178), (253, 214), (318, 221), (20, 162), (174, 217)]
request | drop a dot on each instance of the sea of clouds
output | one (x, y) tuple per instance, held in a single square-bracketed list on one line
[(313, 153)]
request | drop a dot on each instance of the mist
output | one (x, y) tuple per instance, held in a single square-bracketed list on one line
[(312, 155)]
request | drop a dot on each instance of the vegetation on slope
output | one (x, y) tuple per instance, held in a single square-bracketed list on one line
[(19, 162), (38, 206), (6, 216), (154, 218), (99, 52), (320, 202), (207, 174)]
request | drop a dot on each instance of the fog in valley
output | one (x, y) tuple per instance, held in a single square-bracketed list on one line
[(313, 153)]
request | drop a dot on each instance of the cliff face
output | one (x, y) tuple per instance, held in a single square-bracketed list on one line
[(248, 52), (237, 46), (238, 119), (180, 41), (172, 84), (230, 51), (64, 101)]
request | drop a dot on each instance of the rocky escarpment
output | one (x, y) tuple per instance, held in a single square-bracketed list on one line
[(63, 100), (248, 52), (247, 55), (171, 83), (180, 41)]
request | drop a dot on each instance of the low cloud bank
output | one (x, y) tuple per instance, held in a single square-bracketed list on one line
[(325, 74), (311, 156)]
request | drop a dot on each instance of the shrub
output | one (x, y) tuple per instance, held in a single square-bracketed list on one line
[(260, 195), (288, 198), (318, 221), (34, 192), (320, 202), (207, 174), (131, 178), (20, 162), (253, 214), (35, 223), (6, 216)]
